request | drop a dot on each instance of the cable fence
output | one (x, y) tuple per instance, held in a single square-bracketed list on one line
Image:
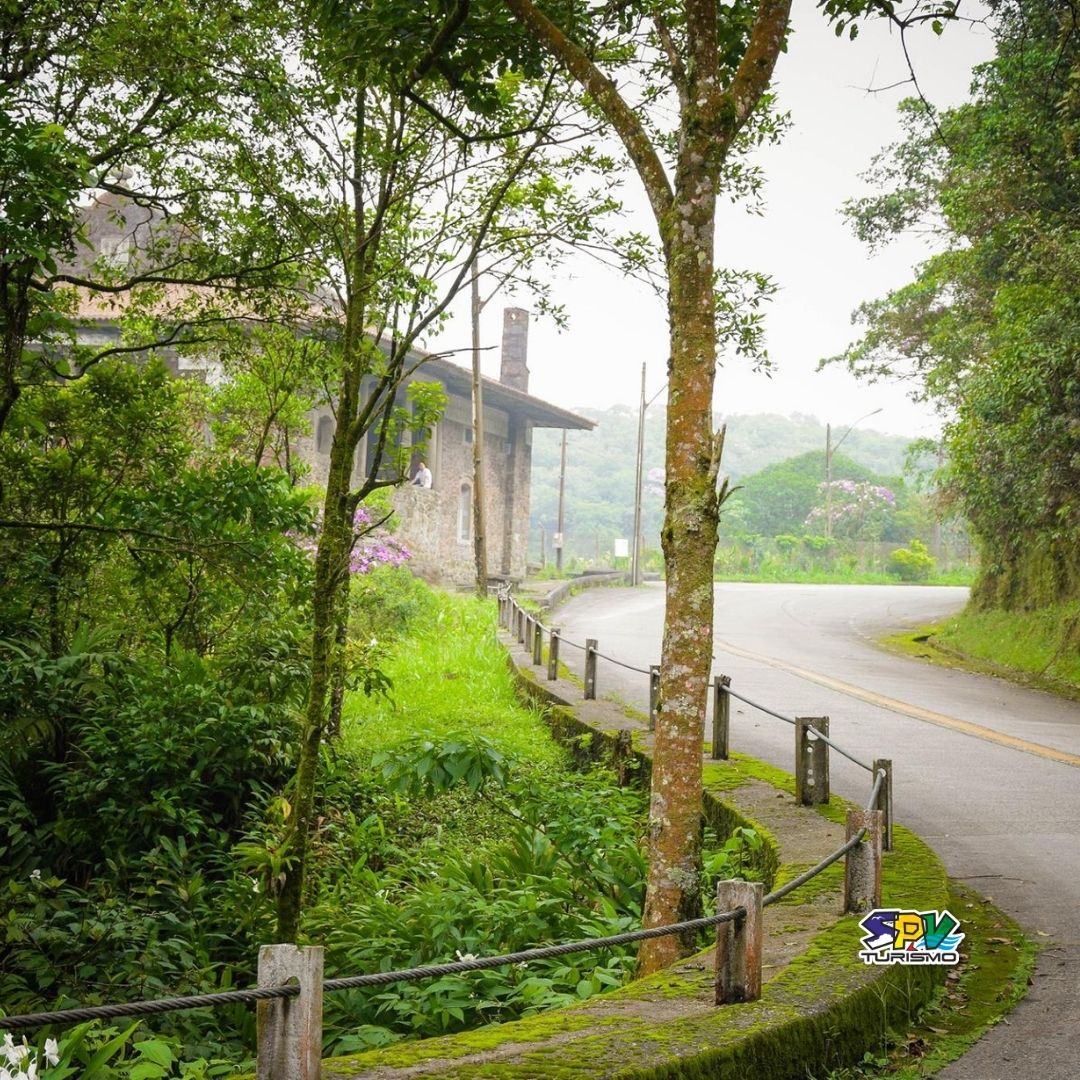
[(290, 979)]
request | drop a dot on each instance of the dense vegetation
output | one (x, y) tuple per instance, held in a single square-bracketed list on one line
[(988, 329), (147, 801)]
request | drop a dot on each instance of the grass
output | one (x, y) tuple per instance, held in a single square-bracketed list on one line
[(1036, 648), (1044, 642), (846, 577), (449, 675)]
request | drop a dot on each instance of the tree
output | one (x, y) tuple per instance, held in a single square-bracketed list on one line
[(140, 103), (987, 330), (405, 151), (712, 64)]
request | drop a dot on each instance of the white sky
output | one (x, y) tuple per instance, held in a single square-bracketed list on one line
[(802, 242)]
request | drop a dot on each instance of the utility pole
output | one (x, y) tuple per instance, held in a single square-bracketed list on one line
[(639, 545), (829, 450), (828, 481), (479, 539), (562, 505), (635, 562)]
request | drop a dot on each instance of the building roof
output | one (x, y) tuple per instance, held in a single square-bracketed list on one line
[(499, 396), (118, 228)]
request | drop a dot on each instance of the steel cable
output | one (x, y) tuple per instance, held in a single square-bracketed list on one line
[(378, 978)]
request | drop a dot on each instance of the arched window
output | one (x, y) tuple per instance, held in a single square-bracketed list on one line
[(464, 518), (324, 434)]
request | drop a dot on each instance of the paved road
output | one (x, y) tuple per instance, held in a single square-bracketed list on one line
[(986, 772)]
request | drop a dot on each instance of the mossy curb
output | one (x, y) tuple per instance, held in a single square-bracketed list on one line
[(823, 1010)]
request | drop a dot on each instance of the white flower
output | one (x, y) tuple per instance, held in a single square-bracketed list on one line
[(35, 875), (31, 1070), (5, 1075), (52, 1052), (14, 1053), (464, 956)]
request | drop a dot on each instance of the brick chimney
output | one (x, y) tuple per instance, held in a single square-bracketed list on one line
[(514, 371)]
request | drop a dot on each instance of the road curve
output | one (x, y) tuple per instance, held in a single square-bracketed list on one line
[(986, 772)]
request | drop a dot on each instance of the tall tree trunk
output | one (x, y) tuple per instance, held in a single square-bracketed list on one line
[(331, 566), (689, 543), (337, 663), (710, 116)]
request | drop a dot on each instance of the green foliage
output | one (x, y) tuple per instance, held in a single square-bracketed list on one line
[(914, 563), (988, 327), (92, 1051), (577, 874), (422, 766), (738, 856)]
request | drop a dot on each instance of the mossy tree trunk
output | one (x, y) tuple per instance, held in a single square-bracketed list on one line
[(715, 101)]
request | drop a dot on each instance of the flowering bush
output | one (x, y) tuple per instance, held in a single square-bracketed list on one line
[(22, 1061), (857, 509), (372, 544)]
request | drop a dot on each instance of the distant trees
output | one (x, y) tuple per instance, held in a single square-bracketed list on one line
[(600, 475)]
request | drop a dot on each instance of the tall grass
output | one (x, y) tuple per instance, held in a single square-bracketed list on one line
[(1044, 642), (449, 676)]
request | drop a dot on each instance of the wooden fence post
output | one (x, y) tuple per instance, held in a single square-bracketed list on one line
[(884, 803), (590, 669), (811, 761), (553, 654), (290, 1029), (738, 943), (654, 694), (538, 644), (862, 865), (721, 718)]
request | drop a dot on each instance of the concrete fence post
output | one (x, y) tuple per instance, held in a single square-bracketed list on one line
[(738, 943), (538, 644), (590, 669), (721, 718), (290, 1029), (884, 803), (862, 866), (522, 619), (654, 695), (811, 761), (504, 602), (530, 628), (553, 654)]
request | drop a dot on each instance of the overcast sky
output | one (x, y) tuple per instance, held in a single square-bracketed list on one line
[(822, 271)]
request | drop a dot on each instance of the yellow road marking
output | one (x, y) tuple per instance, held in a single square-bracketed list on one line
[(954, 723)]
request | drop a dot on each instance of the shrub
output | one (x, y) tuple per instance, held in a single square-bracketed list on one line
[(914, 563)]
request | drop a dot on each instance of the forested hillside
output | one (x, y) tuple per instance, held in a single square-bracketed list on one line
[(600, 468)]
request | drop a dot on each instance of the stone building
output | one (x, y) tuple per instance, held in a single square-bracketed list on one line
[(436, 523)]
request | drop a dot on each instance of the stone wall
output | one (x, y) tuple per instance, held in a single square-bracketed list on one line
[(430, 520)]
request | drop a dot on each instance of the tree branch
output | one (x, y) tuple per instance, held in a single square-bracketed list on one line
[(607, 97)]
